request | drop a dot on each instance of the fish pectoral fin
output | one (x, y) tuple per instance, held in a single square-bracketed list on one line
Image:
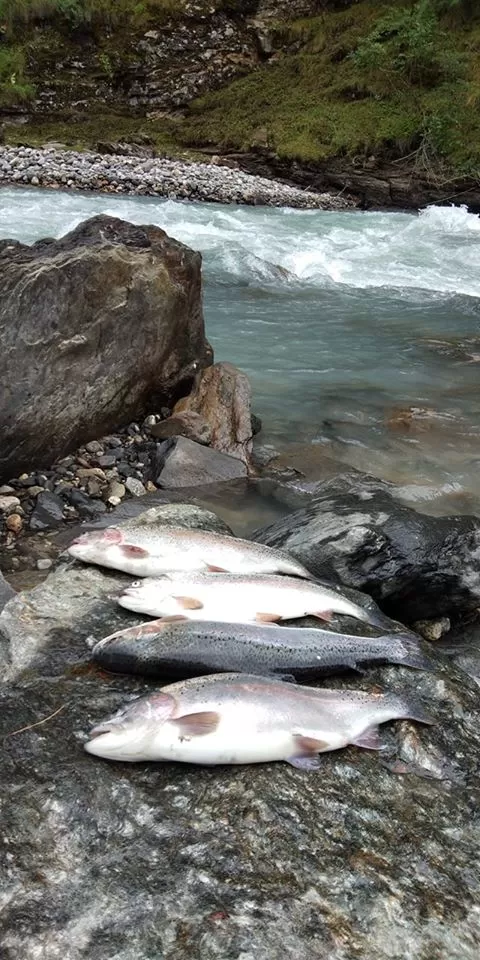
[(308, 749), (322, 615), (369, 739), (189, 603), (267, 617), (130, 550), (214, 569), (197, 724)]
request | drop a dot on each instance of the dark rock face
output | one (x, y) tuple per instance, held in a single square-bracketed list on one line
[(6, 592), (144, 861), (118, 304), (353, 532), (183, 463)]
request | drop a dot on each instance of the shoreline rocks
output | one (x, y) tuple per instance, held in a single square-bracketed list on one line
[(140, 176)]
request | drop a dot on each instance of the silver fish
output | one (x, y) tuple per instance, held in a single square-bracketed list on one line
[(238, 598), (191, 648), (149, 551), (242, 718)]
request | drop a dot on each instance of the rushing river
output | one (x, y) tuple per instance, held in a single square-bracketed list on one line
[(343, 321)]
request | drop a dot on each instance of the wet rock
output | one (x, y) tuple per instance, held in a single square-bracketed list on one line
[(259, 861), (135, 487), (143, 290), (222, 396), (115, 489), (188, 464), (432, 629), (86, 508), (6, 592), (256, 424), (48, 511), (191, 425), (353, 531)]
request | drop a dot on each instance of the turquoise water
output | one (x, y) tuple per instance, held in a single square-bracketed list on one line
[(343, 322)]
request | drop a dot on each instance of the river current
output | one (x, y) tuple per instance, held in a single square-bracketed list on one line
[(360, 331)]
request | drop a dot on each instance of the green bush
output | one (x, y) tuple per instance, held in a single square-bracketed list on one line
[(13, 87), (408, 45)]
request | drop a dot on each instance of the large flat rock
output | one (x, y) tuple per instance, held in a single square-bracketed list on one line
[(111, 861)]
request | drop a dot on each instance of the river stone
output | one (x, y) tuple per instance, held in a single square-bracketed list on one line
[(222, 396), (188, 464), (142, 861), (352, 531), (6, 591), (189, 424), (48, 511), (119, 303)]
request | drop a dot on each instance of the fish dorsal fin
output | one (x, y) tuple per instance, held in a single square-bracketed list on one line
[(197, 724), (369, 739), (189, 603)]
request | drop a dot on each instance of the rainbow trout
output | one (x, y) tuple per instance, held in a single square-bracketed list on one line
[(150, 550), (238, 598), (241, 718)]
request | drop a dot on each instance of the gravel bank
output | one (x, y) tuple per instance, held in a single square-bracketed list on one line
[(175, 179)]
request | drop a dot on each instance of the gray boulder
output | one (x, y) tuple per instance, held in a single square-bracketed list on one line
[(96, 328), (184, 463), (353, 531), (108, 860)]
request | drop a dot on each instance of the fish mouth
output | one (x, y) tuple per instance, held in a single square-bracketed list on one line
[(100, 729)]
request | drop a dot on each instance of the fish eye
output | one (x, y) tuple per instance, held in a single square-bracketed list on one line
[(136, 583)]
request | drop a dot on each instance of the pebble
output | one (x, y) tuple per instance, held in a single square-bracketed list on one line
[(116, 490), (181, 179), (97, 472), (34, 491), (94, 447), (135, 487), (6, 489), (44, 564), (14, 523), (7, 504)]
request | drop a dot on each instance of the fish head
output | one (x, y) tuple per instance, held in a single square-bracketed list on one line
[(141, 595), (97, 545), (129, 734)]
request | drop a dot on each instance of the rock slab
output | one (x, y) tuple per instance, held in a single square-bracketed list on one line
[(184, 463), (118, 304), (111, 861), (354, 532)]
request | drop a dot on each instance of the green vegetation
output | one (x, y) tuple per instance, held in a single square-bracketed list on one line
[(384, 78), (392, 78)]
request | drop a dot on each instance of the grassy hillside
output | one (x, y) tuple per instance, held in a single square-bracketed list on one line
[(384, 77), (379, 77)]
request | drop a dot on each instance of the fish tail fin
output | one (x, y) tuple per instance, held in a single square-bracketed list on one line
[(409, 708), (410, 653), (374, 617)]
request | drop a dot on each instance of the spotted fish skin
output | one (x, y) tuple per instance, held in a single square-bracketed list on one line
[(192, 648), (235, 718), (150, 550)]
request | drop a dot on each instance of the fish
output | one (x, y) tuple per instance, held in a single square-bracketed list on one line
[(191, 648), (151, 550), (238, 598), (234, 718)]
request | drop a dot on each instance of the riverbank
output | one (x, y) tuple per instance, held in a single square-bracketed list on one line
[(152, 176)]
